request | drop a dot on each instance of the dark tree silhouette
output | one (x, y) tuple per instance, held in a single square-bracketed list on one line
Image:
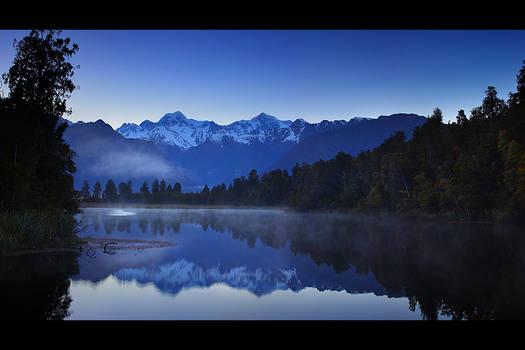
[(41, 74), (97, 191), (110, 192), (84, 192), (144, 188), (155, 187), (39, 83)]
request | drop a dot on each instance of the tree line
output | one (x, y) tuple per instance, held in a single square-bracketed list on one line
[(394, 250), (473, 168), (270, 190)]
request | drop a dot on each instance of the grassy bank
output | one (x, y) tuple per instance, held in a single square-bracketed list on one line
[(36, 230)]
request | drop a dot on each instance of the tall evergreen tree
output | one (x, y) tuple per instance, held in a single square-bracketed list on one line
[(253, 178), (39, 83), (40, 75), (205, 195), (97, 191), (511, 146), (110, 192), (144, 188), (155, 187), (124, 189), (461, 118), (84, 192)]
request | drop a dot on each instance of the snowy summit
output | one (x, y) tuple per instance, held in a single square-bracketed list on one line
[(176, 129)]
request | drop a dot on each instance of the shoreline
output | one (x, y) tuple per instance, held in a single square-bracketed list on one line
[(81, 243), (173, 206), (106, 244), (448, 217)]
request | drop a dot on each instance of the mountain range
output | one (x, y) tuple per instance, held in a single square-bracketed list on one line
[(195, 153), (175, 129)]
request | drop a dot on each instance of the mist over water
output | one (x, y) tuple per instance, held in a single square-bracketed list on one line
[(274, 264)]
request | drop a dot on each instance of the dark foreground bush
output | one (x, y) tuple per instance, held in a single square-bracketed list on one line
[(36, 230)]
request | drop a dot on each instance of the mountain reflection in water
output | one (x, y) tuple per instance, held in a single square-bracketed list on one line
[(445, 270)]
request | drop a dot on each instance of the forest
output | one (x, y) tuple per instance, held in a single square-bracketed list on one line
[(472, 168)]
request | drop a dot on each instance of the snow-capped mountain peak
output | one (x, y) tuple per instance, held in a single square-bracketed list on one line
[(263, 115), (173, 118), (267, 121), (177, 129), (358, 119)]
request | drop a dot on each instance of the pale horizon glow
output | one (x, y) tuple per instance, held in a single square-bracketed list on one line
[(128, 76)]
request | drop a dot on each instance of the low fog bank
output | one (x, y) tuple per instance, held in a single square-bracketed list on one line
[(129, 166), (103, 154)]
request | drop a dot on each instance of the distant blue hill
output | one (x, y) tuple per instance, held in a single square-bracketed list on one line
[(102, 154), (351, 139), (218, 154)]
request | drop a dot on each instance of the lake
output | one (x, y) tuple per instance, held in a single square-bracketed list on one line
[(248, 264)]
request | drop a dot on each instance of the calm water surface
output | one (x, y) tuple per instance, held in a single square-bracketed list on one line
[(226, 264)]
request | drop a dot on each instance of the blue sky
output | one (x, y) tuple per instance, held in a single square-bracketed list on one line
[(228, 75)]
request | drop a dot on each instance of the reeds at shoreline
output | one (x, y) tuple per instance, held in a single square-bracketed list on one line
[(36, 229)]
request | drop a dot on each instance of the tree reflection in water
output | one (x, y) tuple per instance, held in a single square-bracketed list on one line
[(36, 286), (464, 271)]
